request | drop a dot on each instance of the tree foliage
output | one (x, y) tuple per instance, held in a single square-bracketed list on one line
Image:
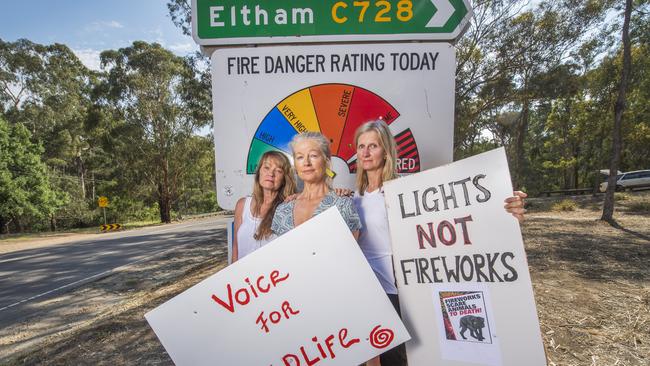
[(153, 93), (25, 190), (540, 78), (112, 132)]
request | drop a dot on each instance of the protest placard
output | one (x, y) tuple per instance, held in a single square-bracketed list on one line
[(307, 298), (461, 270)]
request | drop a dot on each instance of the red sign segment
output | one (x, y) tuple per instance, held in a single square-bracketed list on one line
[(407, 152), (366, 106)]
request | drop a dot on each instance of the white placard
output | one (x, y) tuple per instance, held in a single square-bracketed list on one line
[(263, 96), (309, 297), (461, 269)]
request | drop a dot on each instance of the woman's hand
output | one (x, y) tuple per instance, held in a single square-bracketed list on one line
[(343, 192), (515, 205), (291, 198)]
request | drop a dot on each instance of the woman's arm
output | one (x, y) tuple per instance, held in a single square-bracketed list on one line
[(350, 215), (355, 233), (515, 205), (291, 197), (239, 210)]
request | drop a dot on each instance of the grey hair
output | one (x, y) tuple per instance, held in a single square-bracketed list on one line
[(323, 142), (323, 146)]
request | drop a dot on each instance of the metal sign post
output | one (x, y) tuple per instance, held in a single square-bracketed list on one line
[(102, 201)]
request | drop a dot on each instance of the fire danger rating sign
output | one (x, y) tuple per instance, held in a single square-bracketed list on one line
[(262, 97), (224, 22)]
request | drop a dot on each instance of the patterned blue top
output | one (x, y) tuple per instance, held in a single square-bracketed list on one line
[(283, 218)]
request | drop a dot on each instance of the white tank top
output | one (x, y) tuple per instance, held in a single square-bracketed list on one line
[(374, 237), (246, 242)]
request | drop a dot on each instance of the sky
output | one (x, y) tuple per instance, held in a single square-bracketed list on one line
[(89, 27)]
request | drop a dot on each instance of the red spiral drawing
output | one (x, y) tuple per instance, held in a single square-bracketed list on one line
[(381, 337)]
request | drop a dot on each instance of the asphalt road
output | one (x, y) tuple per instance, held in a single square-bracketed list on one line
[(37, 274)]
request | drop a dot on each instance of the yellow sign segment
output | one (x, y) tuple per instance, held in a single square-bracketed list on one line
[(102, 201), (298, 109)]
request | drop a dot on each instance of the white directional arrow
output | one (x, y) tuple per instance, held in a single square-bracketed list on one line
[(444, 10)]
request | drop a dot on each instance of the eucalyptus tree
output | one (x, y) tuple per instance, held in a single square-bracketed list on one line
[(153, 95), (25, 190), (502, 61), (47, 88), (619, 108), (181, 13)]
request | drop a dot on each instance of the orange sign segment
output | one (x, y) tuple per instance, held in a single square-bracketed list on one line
[(332, 103)]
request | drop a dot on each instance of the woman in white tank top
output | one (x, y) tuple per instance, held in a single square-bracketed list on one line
[(253, 214), (376, 164)]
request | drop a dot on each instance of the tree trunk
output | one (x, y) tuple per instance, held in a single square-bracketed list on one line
[(576, 166), (52, 222), (164, 204), (82, 176), (164, 196), (522, 129), (619, 108), (4, 225), (18, 227)]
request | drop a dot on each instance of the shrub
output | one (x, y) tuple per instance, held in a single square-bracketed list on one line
[(564, 205), (618, 196)]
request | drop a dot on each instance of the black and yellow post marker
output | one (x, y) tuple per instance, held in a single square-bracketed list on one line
[(110, 227), (102, 201)]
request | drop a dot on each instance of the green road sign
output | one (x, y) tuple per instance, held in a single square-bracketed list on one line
[(231, 22)]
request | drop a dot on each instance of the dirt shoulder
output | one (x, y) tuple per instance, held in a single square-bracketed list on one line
[(14, 245), (591, 284)]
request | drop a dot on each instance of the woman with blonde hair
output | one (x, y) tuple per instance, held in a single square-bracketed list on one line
[(376, 164), (274, 182)]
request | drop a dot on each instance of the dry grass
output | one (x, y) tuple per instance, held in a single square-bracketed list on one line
[(591, 282), (564, 205)]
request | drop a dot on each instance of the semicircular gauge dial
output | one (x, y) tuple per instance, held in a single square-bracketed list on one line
[(335, 110)]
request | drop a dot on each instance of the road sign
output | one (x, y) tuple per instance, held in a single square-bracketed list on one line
[(264, 96), (102, 201), (232, 22), (109, 227)]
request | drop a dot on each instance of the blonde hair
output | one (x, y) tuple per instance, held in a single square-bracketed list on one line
[(287, 188), (323, 146), (387, 142)]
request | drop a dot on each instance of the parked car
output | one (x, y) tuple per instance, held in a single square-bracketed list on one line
[(630, 180)]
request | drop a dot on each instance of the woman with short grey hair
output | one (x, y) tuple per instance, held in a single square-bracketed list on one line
[(312, 161)]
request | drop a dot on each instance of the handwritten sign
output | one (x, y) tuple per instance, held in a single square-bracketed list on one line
[(307, 298), (461, 270)]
